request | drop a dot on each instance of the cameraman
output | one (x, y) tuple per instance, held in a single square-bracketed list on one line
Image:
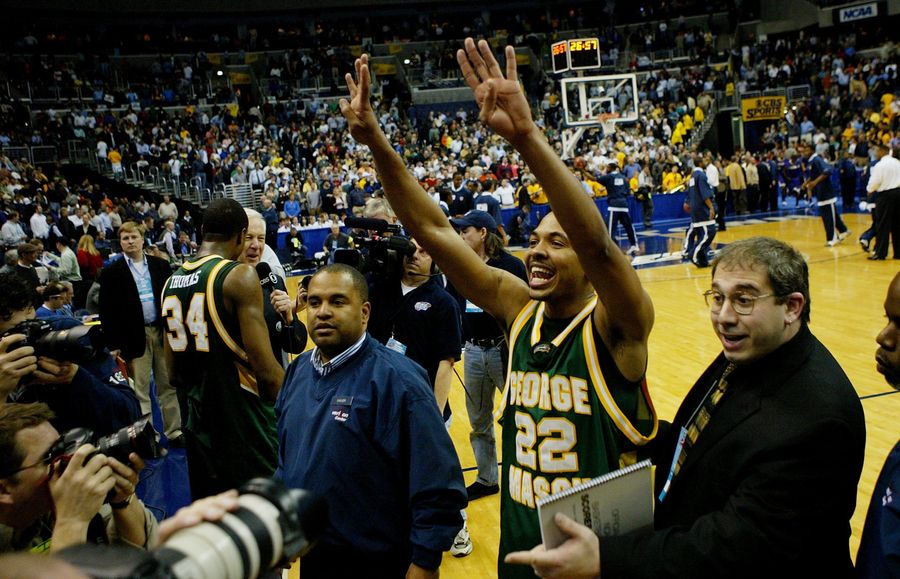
[(44, 507), (97, 397)]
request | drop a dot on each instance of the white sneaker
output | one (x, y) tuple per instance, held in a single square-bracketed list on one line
[(832, 243), (633, 250), (462, 544), (843, 236)]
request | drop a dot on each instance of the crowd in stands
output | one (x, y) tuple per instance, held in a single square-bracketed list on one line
[(308, 172)]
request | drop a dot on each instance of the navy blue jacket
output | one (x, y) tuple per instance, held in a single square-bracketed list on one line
[(819, 166), (879, 548), (425, 320), (698, 192), (489, 204), (368, 438), (617, 189)]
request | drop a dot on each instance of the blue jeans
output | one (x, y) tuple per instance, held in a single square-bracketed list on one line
[(484, 372)]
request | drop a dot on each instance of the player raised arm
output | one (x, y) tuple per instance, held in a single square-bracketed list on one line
[(497, 292), (623, 304)]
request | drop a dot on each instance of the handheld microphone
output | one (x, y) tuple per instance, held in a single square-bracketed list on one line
[(267, 278)]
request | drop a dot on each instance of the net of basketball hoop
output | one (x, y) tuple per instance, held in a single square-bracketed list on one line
[(607, 123)]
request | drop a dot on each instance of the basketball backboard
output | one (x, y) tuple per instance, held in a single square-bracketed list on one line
[(591, 99)]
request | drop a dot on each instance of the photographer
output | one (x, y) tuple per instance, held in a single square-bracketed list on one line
[(46, 507), (97, 396)]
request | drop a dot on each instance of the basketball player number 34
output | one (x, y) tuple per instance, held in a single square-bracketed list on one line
[(195, 322)]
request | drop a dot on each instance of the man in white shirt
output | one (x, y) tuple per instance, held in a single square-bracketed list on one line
[(712, 176), (506, 194), (167, 209), (38, 222), (884, 187), (12, 233)]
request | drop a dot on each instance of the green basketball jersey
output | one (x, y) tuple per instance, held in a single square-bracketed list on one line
[(568, 416), (230, 432)]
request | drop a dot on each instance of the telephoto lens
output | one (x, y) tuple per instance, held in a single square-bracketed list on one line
[(272, 526)]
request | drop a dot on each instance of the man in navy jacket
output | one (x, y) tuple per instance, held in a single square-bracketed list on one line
[(358, 425)]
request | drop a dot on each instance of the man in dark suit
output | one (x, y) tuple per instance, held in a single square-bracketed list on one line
[(757, 475), (86, 228), (337, 239), (130, 290)]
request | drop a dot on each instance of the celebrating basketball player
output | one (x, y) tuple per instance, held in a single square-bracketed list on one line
[(575, 400)]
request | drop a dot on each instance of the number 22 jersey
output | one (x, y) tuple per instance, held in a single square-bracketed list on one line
[(568, 415)]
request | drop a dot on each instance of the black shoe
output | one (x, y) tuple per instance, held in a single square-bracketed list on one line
[(875, 258), (476, 490), (177, 442)]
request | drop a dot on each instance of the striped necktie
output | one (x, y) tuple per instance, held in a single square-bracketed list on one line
[(701, 418)]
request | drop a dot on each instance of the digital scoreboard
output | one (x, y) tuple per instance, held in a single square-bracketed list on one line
[(575, 54), (584, 53), (560, 53)]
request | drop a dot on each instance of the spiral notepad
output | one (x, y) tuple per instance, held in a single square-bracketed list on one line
[(612, 504)]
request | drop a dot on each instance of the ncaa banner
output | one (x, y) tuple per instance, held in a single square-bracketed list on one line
[(858, 12), (767, 108)]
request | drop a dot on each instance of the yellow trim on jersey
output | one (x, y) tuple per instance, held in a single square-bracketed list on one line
[(191, 265), (538, 322), (519, 322), (247, 379), (214, 313), (612, 409)]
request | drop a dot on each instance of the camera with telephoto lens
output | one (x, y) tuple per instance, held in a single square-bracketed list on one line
[(140, 438), (79, 344), (271, 527), (380, 255)]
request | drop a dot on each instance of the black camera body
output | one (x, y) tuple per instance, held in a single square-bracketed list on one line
[(79, 344), (140, 438), (380, 255)]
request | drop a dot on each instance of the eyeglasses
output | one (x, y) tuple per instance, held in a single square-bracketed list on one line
[(45, 462), (741, 303)]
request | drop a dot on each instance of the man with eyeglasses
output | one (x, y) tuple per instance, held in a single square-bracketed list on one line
[(757, 475), (44, 507)]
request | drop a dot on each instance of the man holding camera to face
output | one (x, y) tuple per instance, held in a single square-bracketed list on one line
[(92, 395), (50, 502)]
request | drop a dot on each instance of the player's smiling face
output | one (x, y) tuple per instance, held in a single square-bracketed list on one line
[(553, 267)]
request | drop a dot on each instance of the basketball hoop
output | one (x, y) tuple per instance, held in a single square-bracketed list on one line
[(608, 123)]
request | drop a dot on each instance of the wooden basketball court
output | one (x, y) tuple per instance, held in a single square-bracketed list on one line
[(847, 293)]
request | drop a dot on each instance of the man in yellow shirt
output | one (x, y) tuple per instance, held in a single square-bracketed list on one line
[(115, 160), (737, 185)]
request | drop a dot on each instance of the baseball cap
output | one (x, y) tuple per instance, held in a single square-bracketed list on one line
[(476, 219)]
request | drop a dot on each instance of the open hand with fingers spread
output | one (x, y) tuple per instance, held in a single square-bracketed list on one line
[(361, 119), (500, 98)]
